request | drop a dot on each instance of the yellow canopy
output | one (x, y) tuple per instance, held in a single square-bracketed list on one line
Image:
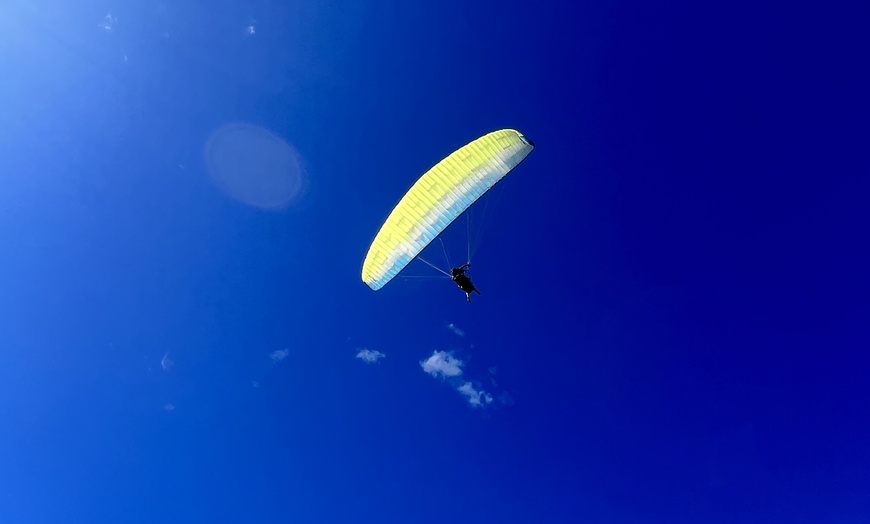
[(438, 198)]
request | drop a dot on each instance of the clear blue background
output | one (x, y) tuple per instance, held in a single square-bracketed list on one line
[(674, 320)]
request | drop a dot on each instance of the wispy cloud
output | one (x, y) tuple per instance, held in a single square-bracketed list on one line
[(169, 407), (476, 397), (279, 354), (453, 328), (108, 23), (506, 399), (492, 371), (369, 355), (442, 363), (166, 363)]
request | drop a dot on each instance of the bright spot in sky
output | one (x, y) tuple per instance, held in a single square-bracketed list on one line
[(254, 166)]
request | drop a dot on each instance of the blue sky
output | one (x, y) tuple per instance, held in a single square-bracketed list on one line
[(673, 326)]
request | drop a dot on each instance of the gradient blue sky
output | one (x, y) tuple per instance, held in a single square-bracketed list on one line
[(673, 325)]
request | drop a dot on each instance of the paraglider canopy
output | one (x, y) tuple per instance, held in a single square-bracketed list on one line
[(438, 198)]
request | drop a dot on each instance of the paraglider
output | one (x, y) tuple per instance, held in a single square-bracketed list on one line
[(436, 199), (462, 280)]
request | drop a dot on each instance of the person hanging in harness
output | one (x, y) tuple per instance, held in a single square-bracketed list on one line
[(462, 280)]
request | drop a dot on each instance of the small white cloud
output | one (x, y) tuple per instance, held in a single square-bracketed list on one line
[(255, 384), (442, 363), (169, 407), (476, 397), (108, 23), (453, 328), (279, 354), (251, 26), (369, 355), (166, 363)]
